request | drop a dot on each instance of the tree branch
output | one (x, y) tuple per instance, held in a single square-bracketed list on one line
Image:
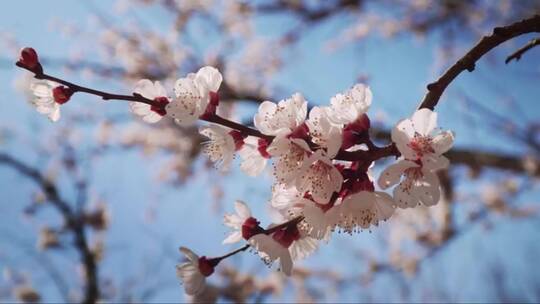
[(517, 54), (467, 62), (74, 223)]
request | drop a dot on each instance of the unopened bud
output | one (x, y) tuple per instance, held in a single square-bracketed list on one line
[(29, 58), (62, 94)]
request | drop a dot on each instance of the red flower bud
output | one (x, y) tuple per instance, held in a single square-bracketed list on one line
[(62, 94), (29, 58)]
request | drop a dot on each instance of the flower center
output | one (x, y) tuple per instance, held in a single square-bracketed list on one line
[(422, 145), (300, 132)]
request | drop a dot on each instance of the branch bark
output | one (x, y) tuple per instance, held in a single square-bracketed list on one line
[(468, 61), (517, 54)]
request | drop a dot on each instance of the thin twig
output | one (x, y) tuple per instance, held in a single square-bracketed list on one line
[(517, 54), (468, 61)]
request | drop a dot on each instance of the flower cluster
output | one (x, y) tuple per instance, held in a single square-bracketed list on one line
[(316, 192), (321, 161)]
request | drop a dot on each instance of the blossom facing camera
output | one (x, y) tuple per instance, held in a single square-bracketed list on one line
[(281, 118), (347, 107), (194, 94), (421, 148), (220, 147)]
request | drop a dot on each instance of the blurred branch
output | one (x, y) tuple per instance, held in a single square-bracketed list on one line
[(305, 13), (468, 61), (74, 222), (477, 159), (517, 54)]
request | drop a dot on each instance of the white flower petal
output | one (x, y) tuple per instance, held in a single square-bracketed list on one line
[(234, 237), (242, 209), (391, 175), (385, 205), (443, 141), (192, 257), (192, 279), (54, 115), (190, 102), (210, 77), (432, 163), (424, 121), (269, 249), (145, 88)]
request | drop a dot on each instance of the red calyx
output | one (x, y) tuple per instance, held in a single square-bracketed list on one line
[(356, 132), (262, 145), (238, 138), (250, 228), (159, 104), (212, 106), (361, 124), (62, 94), (301, 132), (29, 58), (206, 266), (356, 185), (349, 139), (287, 236), (214, 98)]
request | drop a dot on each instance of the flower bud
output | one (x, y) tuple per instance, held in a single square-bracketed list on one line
[(29, 58), (62, 94)]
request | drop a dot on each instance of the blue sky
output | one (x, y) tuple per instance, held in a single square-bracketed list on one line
[(398, 71)]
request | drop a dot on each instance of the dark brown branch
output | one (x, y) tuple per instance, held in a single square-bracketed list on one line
[(73, 222), (241, 249), (467, 62), (470, 158), (372, 154), (517, 54), (77, 88)]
